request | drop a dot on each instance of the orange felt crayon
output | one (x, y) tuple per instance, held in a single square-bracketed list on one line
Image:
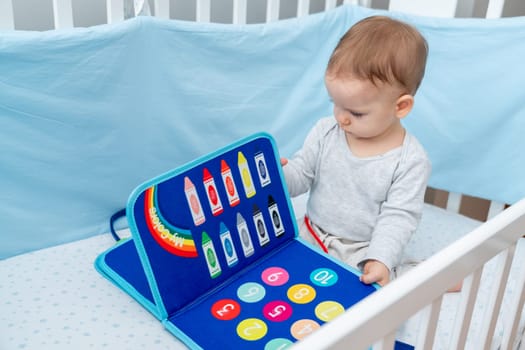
[(229, 184), (193, 201), (211, 192), (246, 177)]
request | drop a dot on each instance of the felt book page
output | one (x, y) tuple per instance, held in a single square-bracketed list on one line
[(215, 254)]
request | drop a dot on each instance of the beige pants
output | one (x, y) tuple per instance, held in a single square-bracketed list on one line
[(346, 250)]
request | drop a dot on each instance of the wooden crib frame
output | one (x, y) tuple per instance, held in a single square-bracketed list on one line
[(376, 319)]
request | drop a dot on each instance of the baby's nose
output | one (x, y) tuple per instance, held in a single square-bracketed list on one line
[(346, 121)]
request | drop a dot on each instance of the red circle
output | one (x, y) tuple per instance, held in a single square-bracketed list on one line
[(225, 309), (213, 195)]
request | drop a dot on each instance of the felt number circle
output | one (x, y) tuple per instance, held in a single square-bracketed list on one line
[(225, 309), (301, 293), (328, 310), (302, 328), (251, 292), (275, 276), (252, 329), (278, 344), (277, 311), (324, 277)]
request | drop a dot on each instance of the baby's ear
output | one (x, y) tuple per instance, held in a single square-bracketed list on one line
[(404, 105)]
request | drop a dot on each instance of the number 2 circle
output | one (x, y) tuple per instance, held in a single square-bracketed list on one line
[(252, 329)]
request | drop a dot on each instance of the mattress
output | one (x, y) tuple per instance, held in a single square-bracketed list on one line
[(55, 299)]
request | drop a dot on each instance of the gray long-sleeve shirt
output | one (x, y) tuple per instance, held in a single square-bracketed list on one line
[(377, 199)]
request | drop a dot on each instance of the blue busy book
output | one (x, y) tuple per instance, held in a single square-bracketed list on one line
[(215, 255)]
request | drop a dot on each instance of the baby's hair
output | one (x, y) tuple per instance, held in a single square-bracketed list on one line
[(381, 49)]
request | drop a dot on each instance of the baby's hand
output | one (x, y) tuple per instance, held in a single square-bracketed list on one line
[(375, 271), (284, 161)]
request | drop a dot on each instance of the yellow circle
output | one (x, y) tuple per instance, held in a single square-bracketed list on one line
[(252, 329), (301, 293), (328, 310)]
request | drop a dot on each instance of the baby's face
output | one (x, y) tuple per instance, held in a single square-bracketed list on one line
[(361, 108)]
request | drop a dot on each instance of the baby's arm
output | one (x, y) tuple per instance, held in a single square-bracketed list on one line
[(299, 171), (375, 271), (401, 211)]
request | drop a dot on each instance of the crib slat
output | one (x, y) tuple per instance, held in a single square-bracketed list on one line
[(386, 343), (63, 13), (330, 4), (442, 8), (7, 21), (303, 8), (427, 330), (454, 202), (141, 8), (504, 261), (162, 8), (203, 11), (239, 11), (351, 2), (468, 298), (495, 208), (515, 308), (115, 10), (495, 8), (272, 10)]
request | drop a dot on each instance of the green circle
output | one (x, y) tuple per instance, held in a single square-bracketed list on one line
[(211, 257), (278, 344)]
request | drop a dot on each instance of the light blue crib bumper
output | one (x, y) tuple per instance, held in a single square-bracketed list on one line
[(87, 114)]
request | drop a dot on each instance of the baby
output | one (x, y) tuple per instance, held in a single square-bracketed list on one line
[(366, 174)]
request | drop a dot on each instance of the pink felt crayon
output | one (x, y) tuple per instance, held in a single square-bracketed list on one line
[(193, 202), (229, 184), (211, 192)]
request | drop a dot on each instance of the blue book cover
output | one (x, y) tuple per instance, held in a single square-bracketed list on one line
[(215, 254)]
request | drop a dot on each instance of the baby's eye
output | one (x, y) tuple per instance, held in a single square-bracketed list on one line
[(357, 114)]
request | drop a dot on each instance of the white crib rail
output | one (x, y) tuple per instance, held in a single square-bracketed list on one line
[(376, 318), (115, 9), (446, 8)]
